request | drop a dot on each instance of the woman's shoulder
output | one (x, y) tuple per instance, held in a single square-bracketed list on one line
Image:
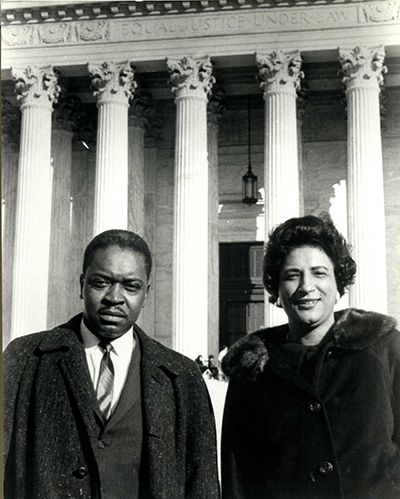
[(246, 358), (357, 329)]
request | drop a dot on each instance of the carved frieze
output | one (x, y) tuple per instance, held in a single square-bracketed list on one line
[(93, 31), (131, 26), (34, 85), (279, 71), (17, 36), (190, 76), (362, 67), (111, 81), (55, 33), (381, 12)]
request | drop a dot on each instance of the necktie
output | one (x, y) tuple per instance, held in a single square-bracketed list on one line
[(105, 385)]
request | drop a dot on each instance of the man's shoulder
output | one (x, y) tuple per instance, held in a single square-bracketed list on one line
[(163, 355), (31, 341)]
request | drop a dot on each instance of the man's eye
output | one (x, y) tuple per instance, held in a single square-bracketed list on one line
[(100, 283), (132, 287)]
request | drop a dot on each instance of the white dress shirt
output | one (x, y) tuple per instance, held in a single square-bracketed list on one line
[(121, 355)]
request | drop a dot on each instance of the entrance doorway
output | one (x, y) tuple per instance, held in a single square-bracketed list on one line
[(241, 290)]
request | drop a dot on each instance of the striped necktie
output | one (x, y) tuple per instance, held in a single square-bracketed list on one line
[(105, 385)]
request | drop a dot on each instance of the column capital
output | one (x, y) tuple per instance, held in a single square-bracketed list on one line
[(216, 106), (10, 126), (140, 109), (279, 71), (363, 67), (113, 82), (191, 76), (36, 85)]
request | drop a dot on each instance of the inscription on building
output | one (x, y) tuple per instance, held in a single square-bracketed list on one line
[(203, 24)]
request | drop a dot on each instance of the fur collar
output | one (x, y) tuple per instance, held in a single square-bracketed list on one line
[(354, 329)]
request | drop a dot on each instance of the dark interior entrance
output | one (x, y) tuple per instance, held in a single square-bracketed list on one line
[(241, 290)]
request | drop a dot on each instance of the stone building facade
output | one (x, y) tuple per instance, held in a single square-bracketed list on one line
[(136, 115)]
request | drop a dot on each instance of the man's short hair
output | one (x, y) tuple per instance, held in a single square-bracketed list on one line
[(124, 239)]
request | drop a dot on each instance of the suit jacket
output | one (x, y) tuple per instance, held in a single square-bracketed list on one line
[(50, 430)]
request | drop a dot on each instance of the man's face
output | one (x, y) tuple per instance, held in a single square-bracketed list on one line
[(114, 290)]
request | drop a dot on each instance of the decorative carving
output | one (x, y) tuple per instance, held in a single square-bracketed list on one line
[(382, 12), (363, 67), (55, 33), (140, 109), (10, 126), (15, 36), (35, 85), (112, 81), (191, 76), (216, 106), (279, 71), (93, 32)]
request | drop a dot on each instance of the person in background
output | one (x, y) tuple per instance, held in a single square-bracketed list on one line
[(200, 363), (212, 367), (313, 406), (95, 408)]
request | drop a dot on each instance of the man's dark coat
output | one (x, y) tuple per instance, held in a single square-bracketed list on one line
[(335, 435), (50, 431)]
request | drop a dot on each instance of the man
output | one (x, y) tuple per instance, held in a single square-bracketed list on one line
[(95, 408)]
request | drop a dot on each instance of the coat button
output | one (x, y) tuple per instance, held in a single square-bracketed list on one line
[(314, 406), (81, 472), (101, 444), (325, 468)]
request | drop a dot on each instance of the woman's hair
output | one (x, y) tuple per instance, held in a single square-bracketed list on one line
[(318, 232)]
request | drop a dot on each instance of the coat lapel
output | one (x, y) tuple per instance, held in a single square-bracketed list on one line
[(74, 368)]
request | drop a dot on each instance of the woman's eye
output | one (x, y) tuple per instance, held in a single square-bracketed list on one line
[(290, 277)]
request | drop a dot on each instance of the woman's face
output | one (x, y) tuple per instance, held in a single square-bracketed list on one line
[(307, 287)]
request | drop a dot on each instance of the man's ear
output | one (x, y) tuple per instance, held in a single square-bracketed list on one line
[(147, 294), (81, 281)]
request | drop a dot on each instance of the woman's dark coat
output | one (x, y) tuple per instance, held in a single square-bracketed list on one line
[(50, 431), (335, 436)]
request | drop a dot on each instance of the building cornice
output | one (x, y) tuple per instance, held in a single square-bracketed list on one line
[(150, 32), (20, 13)]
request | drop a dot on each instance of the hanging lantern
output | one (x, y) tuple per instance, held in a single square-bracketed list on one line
[(249, 180), (249, 187)]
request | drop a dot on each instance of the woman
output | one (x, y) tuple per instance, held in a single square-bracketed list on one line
[(313, 406)]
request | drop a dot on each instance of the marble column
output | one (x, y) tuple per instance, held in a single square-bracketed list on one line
[(280, 75), (36, 90), (191, 81), (10, 139), (137, 122), (113, 86), (216, 107), (301, 104), (363, 75), (65, 115), (152, 141)]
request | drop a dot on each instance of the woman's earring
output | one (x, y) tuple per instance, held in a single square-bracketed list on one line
[(278, 302), (337, 297)]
